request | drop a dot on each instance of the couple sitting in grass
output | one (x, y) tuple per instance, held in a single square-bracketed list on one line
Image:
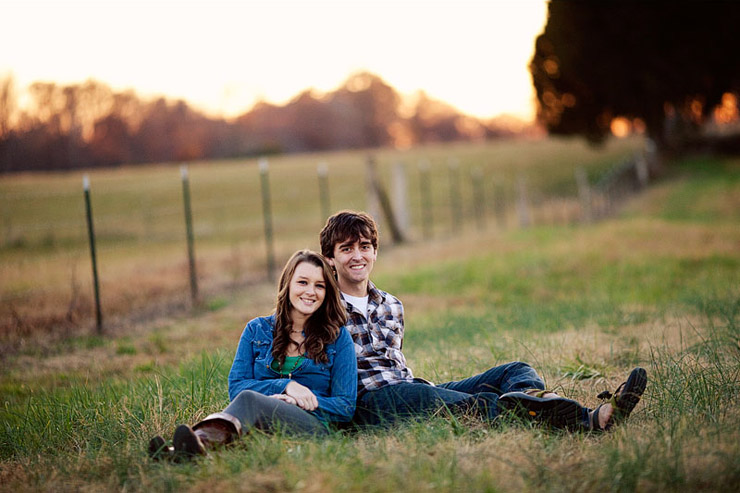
[(331, 353)]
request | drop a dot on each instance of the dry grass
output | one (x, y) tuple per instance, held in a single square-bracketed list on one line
[(45, 265), (80, 410)]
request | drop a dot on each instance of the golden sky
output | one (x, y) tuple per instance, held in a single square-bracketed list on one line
[(223, 56)]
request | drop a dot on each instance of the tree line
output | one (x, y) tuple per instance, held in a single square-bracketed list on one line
[(89, 125)]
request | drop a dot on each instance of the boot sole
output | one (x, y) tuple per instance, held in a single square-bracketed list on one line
[(630, 394), (557, 412), (187, 444)]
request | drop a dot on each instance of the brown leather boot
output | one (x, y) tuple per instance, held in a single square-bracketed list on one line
[(216, 430), (159, 450)]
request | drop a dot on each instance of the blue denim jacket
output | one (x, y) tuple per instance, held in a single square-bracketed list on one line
[(334, 383)]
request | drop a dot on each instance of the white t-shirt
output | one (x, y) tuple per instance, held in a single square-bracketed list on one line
[(359, 303)]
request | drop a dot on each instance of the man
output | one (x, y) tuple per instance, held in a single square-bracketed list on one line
[(387, 388)]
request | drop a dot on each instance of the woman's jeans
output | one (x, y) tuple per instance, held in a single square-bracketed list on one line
[(479, 394), (255, 410)]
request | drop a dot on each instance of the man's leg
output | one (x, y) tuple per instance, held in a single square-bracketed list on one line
[(412, 400), (511, 377)]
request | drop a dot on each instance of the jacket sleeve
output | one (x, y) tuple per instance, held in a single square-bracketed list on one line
[(241, 376), (340, 405)]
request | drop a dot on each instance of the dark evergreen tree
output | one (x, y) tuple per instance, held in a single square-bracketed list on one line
[(664, 62)]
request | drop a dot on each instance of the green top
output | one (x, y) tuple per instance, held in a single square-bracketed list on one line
[(291, 363)]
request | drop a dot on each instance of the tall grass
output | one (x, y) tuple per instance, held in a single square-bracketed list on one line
[(583, 305), (682, 437)]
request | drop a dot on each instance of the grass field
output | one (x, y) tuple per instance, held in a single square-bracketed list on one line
[(656, 286), (140, 227)]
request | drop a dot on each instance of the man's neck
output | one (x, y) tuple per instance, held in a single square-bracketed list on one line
[(354, 289)]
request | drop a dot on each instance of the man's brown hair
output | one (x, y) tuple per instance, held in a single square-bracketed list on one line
[(347, 226)]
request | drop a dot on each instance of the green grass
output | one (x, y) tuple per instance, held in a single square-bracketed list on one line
[(709, 194), (140, 230), (657, 286), (544, 286)]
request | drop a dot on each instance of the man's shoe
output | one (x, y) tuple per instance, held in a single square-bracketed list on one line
[(557, 412), (623, 401)]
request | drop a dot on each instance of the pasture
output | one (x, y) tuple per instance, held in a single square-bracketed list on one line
[(657, 285), (140, 227)]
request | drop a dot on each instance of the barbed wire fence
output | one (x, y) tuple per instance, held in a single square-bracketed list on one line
[(400, 196)]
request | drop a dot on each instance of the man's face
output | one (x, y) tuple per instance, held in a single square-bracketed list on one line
[(353, 261)]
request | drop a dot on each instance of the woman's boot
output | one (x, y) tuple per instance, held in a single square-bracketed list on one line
[(215, 430), (159, 450)]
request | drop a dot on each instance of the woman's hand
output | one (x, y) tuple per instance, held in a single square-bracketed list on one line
[(284, 398), (304, 398)]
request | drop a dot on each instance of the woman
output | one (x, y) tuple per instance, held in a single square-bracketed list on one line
[(294, 370)]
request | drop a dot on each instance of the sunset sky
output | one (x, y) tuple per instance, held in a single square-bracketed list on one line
[(223, 56)]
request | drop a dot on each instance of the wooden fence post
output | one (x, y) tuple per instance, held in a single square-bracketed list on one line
[(425, 194), (267, 216), (641, 168), (189, 233), (525, 218), (378, 192), (323, 174), (455, 199), (373, 202), (400, 196), (499, 201), (479, 206), (584, 195), (91, 237)]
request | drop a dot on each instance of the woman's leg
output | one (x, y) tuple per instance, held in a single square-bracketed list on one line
[(254, 410), (248, 410)]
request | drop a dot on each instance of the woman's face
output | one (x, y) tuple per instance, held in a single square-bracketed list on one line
[(307, 290)]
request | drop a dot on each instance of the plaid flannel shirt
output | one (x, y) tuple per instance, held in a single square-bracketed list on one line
[(378, 338)]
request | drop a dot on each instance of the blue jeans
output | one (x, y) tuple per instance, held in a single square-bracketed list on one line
[(478, 393)]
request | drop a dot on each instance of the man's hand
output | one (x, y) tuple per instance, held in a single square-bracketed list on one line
[(304, 398)]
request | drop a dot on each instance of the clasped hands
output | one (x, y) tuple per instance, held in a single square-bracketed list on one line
[(298, 395)]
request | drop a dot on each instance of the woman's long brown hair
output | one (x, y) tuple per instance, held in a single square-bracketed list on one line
[(322, 327)]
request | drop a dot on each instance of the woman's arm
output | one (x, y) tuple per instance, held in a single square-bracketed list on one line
[(340, 406), (241, 376), (302, 395)]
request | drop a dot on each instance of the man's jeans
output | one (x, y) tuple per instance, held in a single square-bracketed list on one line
[(479, 394)]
